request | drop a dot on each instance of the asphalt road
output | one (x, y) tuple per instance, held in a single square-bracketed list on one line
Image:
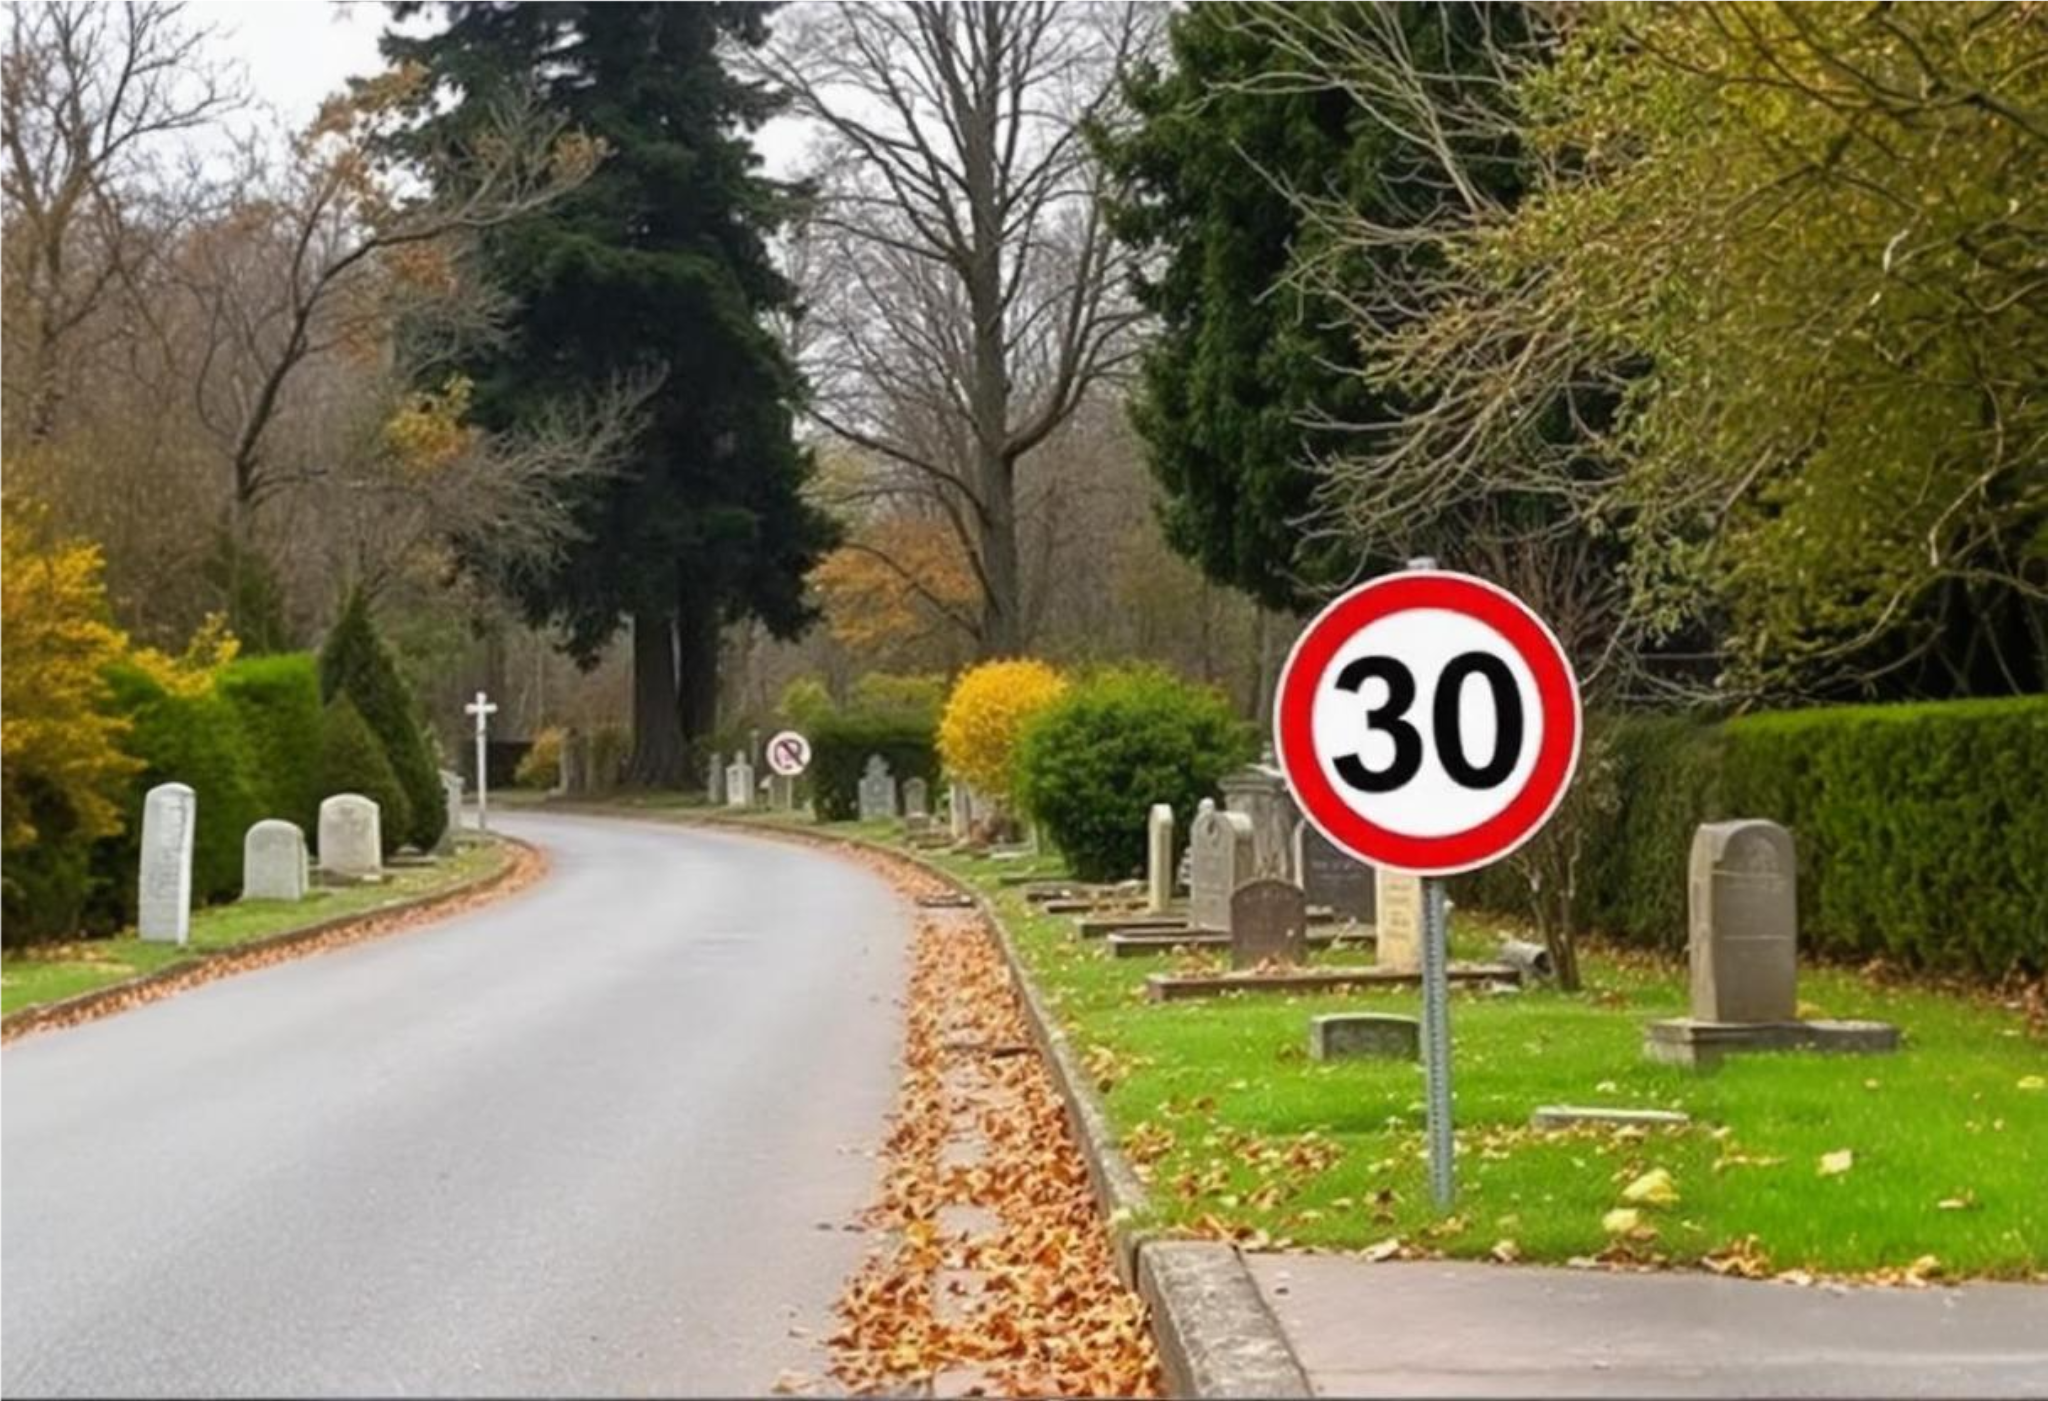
[(601, 1138)]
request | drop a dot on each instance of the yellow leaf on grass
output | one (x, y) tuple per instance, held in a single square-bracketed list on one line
[(1506, 1251), (2034, 1082), (1836, 1163), (1653, 1188), (1621, 1220)]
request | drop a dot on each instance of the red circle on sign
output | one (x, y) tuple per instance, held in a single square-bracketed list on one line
[(1557, 693)]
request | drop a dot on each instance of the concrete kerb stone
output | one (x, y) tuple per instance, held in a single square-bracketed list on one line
[(1216, 1336), (29, 1019)]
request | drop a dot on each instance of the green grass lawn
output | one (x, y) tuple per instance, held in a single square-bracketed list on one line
[(1237, 1130), (50, 972)]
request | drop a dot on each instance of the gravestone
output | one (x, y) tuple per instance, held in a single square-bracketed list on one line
[(274, 861), (1743, 928), (1219, 861), (351, 837), (170, 813), (782, 791), (1332, 877), (1159, 858), (1364, 1036), (959, 811), (916, 802), (714, 779), (739, 782), (1259, 792), (1268, 924), (877, 790), (1398, 920), (451, 794), (572, 770)]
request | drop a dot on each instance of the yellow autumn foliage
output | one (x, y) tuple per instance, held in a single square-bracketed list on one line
[(59, 745), (986, 714), (429, 431)]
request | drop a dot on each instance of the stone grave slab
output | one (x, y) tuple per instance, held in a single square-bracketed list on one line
[(1268, 924), (1159, 858), (274, 861), (1364, 1036), (1220, 846), (170, 817), (1258, 792), (877, 790), (916, 802), (1332, 877), (1398, 900), (351, 838), (1571, 1116), (1180, 987)]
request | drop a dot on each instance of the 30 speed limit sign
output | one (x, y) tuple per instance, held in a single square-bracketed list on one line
[(1428, 721), (789, 753)]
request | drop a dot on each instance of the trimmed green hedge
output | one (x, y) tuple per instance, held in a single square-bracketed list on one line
[(277, 700), (841, 744), (1922, 830), (354, 661)]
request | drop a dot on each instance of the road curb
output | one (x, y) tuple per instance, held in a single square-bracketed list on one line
[(92, 1005), (1215, 1335)]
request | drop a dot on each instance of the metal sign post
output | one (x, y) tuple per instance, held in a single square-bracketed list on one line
[(1436, 1041)]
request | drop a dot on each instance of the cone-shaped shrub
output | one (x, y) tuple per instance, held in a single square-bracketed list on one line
[(356, 663), (351, 761)]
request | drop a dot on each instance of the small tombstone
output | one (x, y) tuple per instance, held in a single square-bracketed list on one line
[(877, 790), (916, 800), (959, 811), (274, 861), (1220, 860), (714, 779), (351, 837), (739, 782), (1364, 1036), (170, 813), (1159, 858), (1268, 924), (451, 794), (782, 791), (1332, 877), (1259, 791), (1744, 923), (1399, 920)]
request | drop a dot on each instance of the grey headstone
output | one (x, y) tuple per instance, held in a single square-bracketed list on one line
[(351, 836), (1567, 1116), (451, 793), (1744, 923), (714, 779), (739, 782), (1259, 791), (1219, 861), (1398, 920), (170, 815), (1332, 877), (1364, 1035), (1159, 858), (1268, 924), (274, 861), (877, 790), (916, 802), (959, 811)]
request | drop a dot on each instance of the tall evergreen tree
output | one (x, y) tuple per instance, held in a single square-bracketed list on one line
[(659, 264), (355, 663)]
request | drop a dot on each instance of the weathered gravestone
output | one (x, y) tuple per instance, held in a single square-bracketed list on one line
[(451, 794), (739, 782), (959, 811), (1364, 1036), (1159, 858), (714, 779), (1742, 933), (916, 800), (351, 837), (1398, 920), (1332, 877), (877, 790), (274, 861), (1259, 792), (1268, 925), (1219, 861), (170, 813)]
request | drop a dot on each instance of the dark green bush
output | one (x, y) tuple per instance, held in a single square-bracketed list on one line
[(196, 740), (1091, 765), (277, 701), (44, 885), (351, 761), (354, 661), (841, 744)]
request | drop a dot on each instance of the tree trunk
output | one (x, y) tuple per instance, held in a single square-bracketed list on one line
[(659, 759), (1002, 605), (696, 688)]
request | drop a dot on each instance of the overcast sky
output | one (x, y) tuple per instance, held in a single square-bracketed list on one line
[(296, 52)]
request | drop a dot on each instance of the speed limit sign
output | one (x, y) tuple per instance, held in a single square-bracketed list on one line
[(789, 753), (1428, 721)]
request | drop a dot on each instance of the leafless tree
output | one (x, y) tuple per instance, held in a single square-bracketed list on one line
[(965, 293)]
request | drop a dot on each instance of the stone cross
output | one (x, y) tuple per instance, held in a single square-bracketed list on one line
[(483, 708), (915, 798), (1399, 920), (451, 794), (351, 837), (1158, 858), (1259, 791), (1268, 924), (274, 861), (1743, 925), (1220, 860), (739, 782), (877, 790), (170, 813), (1332, 877)]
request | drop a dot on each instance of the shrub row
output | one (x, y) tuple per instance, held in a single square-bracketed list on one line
[(841, 744)]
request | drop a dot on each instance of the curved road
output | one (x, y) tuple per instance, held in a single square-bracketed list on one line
[(601, 1138)]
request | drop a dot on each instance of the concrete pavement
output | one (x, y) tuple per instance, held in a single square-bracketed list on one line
[(1449, 1329), (602, 1138)]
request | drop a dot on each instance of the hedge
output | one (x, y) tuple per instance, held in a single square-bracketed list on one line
[(352, 761), (277, 701), (841, 745), (354, 661), (1922, 830)]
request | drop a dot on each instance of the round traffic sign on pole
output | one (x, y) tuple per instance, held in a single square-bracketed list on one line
[(789, 753), (1428, 721)]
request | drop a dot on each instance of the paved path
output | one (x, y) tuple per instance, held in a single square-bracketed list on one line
[(1427, 1329), (582, 1142)]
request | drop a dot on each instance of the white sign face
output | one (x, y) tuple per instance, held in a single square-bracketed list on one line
[(789, 753), (1428, 721)]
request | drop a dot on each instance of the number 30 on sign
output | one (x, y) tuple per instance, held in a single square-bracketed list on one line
[(1428, 721)]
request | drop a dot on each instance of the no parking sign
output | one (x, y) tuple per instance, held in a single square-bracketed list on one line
[(789, 753)]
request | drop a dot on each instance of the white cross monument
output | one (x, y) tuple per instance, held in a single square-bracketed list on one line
[(483, 708)]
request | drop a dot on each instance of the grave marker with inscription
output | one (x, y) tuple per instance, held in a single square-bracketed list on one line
[(170, 813), (274, 861), (1268, 925), (351, 837), (739, 782), (451, 794), (1219, 861), (1159, 858), (1743, 926), (1259, 792), (916, 798), (1398, 920), (1333, 878), (877, 790)]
